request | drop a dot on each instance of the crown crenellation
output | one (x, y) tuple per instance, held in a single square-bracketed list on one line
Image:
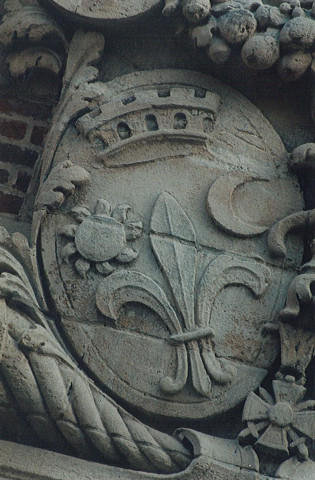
[(182, 110)]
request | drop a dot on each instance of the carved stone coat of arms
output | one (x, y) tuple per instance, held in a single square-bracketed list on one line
[(164, 280), (159, 265)]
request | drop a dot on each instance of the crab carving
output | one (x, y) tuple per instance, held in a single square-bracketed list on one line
[(101, 238)]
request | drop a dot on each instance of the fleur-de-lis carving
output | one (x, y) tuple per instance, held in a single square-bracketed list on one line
[(188, 318)]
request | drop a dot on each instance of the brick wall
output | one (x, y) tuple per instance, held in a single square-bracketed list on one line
[(23, 125)]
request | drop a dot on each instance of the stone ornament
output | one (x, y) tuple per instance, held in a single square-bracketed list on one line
[(101, 236), (281, 36), (147, 278), (196, 333), (164, 304), (136, 274), (104, 12), (28, 22), (285, 423), (271, 421), (39, 374)]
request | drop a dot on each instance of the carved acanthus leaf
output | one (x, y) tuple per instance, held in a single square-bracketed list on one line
[(78, 88), (84, 52), (19, 277), (62, 181)]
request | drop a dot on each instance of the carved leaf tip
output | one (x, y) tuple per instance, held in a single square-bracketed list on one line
[(85, 51), (169, 218), (63, 180), (19, 277)]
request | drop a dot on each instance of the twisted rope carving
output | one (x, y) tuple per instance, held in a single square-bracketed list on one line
[(64, 407)]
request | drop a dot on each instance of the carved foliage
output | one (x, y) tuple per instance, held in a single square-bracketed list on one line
[(62, 181), (78, 86)]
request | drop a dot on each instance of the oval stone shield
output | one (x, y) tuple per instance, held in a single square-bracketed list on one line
[(159, 267)]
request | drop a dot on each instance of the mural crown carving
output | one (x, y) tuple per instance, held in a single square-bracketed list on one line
[(176, 112)]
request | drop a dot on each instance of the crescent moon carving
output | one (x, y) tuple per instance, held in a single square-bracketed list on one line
[(220, 205)]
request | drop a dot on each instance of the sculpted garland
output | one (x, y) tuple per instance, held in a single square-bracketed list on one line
[(148, 278), (265, 36)]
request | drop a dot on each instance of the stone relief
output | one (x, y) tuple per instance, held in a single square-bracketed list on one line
[(268, 35), (165, 270), (101, 236), (26, 24), (58, 400), (271, 421)]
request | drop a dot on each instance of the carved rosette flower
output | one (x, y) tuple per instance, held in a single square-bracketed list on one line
[(280, 423), (101, 238)]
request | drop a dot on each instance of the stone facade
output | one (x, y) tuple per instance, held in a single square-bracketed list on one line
[(156, 241)]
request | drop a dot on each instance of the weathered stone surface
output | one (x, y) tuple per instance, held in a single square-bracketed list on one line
[(25, 462), (203, 243), (269, 35), (31, 24), (102, 11), (163, 274)]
